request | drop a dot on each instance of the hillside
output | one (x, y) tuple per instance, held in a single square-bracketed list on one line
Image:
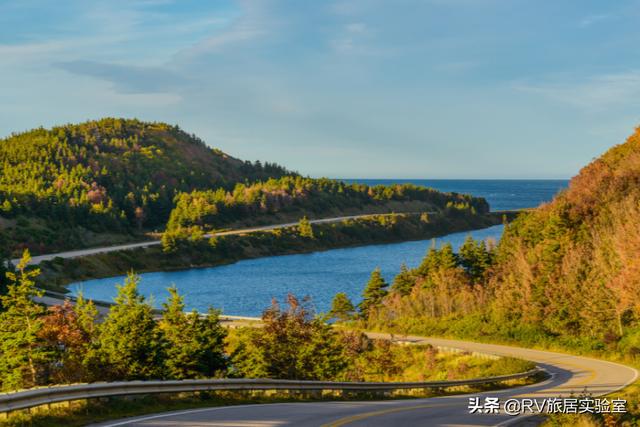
[(567, 272), (291, 197), (572, 267), (62, 186), (113, 180)]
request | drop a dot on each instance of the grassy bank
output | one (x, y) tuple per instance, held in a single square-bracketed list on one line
[(196, 251)]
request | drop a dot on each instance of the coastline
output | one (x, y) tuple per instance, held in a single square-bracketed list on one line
[(58, 273)]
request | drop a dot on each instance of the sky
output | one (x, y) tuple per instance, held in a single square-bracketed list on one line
[(346, 89)]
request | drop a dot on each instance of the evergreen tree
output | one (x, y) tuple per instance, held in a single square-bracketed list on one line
[(87, 315), (304, 228), (474, 257), (195, 344), (429, 262), (20, 352), (374, 292), (404, 281), (4, 260), (130, 344), (342, 308), (447, 259)]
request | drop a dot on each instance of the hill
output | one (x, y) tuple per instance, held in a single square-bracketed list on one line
[(566, 273), (572, 267), (61, 187)]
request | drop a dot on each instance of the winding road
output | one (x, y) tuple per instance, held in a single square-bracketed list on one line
[(127, 246), (569, 375)]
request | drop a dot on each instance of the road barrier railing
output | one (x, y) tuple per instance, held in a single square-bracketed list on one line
[(67, 393)]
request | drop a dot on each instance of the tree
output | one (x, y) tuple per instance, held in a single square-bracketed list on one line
[(293, 344), (20, 352), (429, 262), (404, 281), (305, 229), (4, 260), (374, 292), (66, 338), (447, 259), (474, 257), (130, 344), (342, 308), (195, 344)]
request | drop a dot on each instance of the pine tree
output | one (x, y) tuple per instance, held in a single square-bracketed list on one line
[(87, 315), (447, 259), (20, 353), (429, 262), (305, 229), (4, 260), (374, 292), (404, 281), (130, 345), (474, 257), (342, 308), (195, 343)]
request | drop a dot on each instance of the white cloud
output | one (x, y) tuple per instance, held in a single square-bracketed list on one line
[(593, 19), (593, 94), (254, 22)]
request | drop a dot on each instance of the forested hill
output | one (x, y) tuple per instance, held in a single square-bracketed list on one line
[(107, 175), (109, 181), (573, 266), (568, 271)]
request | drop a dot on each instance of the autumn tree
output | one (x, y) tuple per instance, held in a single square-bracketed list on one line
[(293, 344), (66, 335)]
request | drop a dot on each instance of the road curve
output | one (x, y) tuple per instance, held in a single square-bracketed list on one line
[(93, 251), (569, 375)]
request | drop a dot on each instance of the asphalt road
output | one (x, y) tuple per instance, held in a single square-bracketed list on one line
[(570, 375), (92, 251)]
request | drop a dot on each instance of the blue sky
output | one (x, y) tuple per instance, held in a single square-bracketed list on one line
[(353, 88)]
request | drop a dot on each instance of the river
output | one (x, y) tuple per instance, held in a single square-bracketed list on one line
[(247, 287)]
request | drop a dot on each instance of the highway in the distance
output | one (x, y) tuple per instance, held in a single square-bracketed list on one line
[(127, 246), (570, 375)]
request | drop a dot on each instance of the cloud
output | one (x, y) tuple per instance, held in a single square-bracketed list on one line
[(255, 22), (594, 93), (127, 78), (593, 19)]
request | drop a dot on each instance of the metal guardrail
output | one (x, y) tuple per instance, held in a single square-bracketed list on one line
[(55, 394), (60, 296)]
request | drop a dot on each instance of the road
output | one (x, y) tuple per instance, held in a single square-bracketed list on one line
[(92, 251), (569, 375)]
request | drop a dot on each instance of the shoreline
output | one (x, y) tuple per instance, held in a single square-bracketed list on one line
[(58, 273)]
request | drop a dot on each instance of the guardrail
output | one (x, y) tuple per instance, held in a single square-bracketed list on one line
[(67, 393)]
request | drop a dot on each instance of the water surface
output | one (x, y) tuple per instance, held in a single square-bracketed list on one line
[(247, 287)]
